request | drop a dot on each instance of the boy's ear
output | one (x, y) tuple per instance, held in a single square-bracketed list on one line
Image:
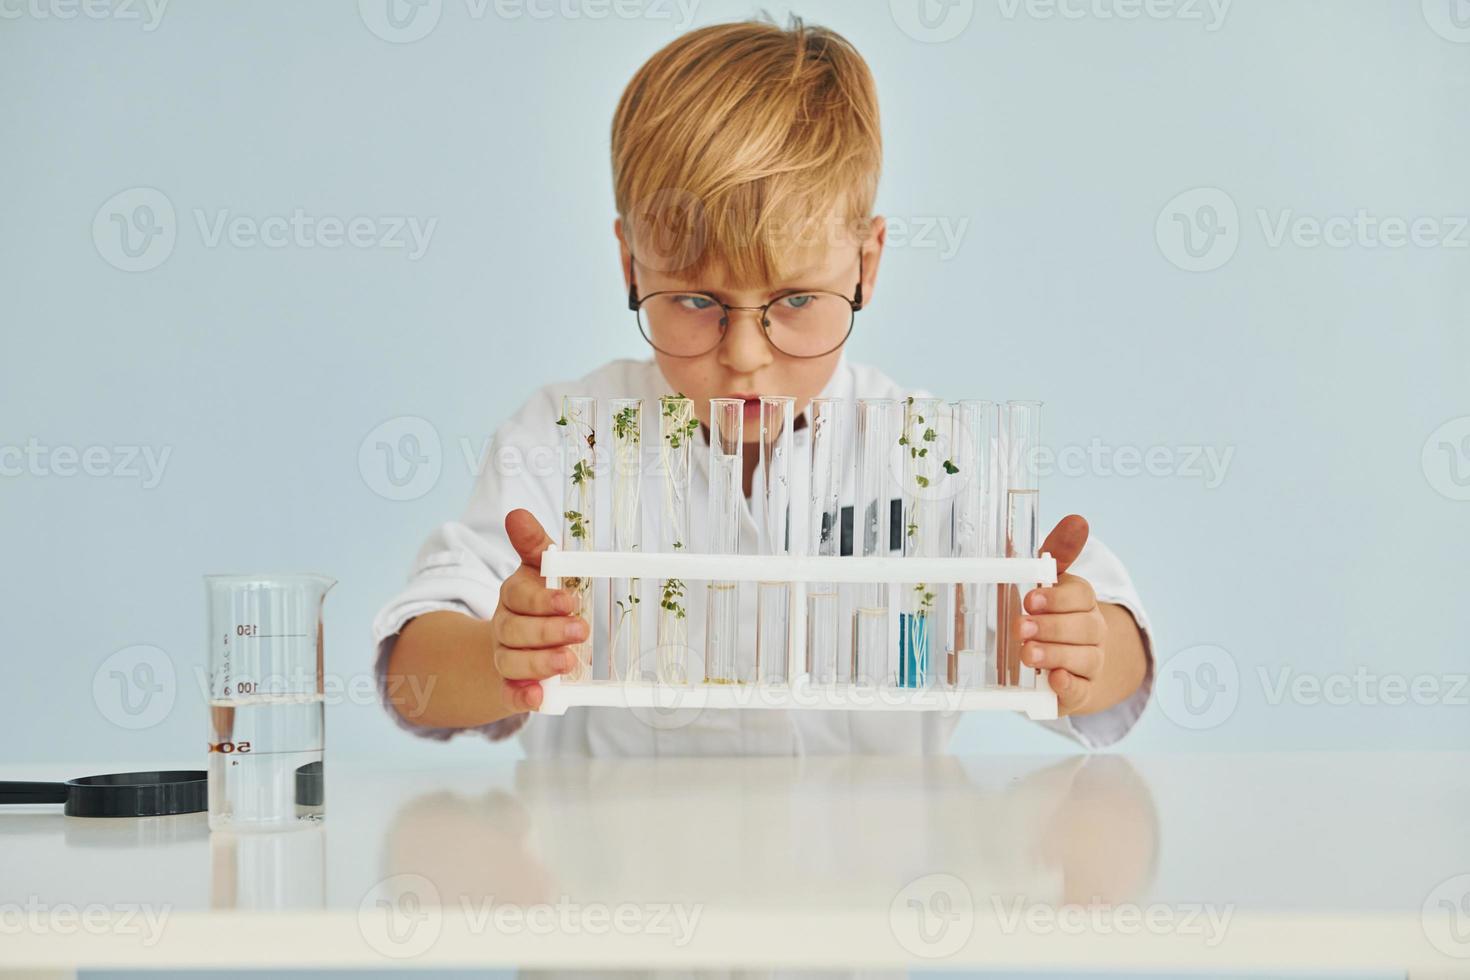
[(623, 253), (872, 254)]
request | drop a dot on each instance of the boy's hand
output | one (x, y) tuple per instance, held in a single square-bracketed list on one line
[(532, 624), (1065, 632)]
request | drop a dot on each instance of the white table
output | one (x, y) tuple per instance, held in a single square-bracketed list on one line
[(1277, 862)]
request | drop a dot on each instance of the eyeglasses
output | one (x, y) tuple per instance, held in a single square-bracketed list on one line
[(800, 323)]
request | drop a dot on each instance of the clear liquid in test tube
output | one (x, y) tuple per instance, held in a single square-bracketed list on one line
[(972, 425), (773, 599), (726, 502), (578, 423), (825, 524), (625, 595), (878, 424), (1020, 523), (677, 426)]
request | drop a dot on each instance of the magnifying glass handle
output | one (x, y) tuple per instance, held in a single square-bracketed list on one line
[(23, 792)]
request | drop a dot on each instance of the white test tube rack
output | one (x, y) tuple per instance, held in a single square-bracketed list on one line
[(798, 693)]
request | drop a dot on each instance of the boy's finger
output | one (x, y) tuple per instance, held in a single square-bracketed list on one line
[(1083, 661), (1070, 594), (1071, 691), (1065, 541), (1084, 628), (527, 536), (524, 695), (526, 593), (534, 665), (536, 632)]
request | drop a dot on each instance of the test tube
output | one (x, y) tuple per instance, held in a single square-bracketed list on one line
[(923, 474), (1021, 427), (878, 421), (971, 424), (773, 599), (579, 510), (677, 426), (726, 500), (626, 594), (822, 615)]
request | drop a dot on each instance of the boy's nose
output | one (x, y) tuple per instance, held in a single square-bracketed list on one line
[(744, 348)]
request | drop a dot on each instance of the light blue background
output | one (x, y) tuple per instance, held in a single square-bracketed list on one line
[(1058, 141)]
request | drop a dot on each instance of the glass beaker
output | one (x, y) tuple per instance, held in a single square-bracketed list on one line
[(266, 700)]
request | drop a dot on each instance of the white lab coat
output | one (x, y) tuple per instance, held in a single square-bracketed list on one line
[(462, 564)]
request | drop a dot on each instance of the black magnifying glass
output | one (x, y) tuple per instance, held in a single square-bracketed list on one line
[(118, 794)]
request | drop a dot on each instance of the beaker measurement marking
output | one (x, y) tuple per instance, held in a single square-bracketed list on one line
[(235, 751)]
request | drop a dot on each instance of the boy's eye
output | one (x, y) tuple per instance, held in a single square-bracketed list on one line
[(694, 303), (797, 302)]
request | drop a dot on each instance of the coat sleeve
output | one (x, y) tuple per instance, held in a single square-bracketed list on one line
[(1112, 584), (462, 564)]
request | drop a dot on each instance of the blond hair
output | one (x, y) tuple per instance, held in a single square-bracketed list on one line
[(739, 144)]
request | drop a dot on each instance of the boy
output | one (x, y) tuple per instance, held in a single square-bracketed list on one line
[(745, 164)]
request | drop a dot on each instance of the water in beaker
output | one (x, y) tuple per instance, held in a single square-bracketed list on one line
[(266, 701)]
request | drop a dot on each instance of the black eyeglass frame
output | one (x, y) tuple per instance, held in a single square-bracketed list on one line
[(635, 302)]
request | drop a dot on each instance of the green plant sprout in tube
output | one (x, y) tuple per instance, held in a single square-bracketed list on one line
[(924, 471), (878, 422), (1021, 429), (677, 426), (971, 423), (626, 594), (825, 528), (773, 599), (579, 504), (726, 502)]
